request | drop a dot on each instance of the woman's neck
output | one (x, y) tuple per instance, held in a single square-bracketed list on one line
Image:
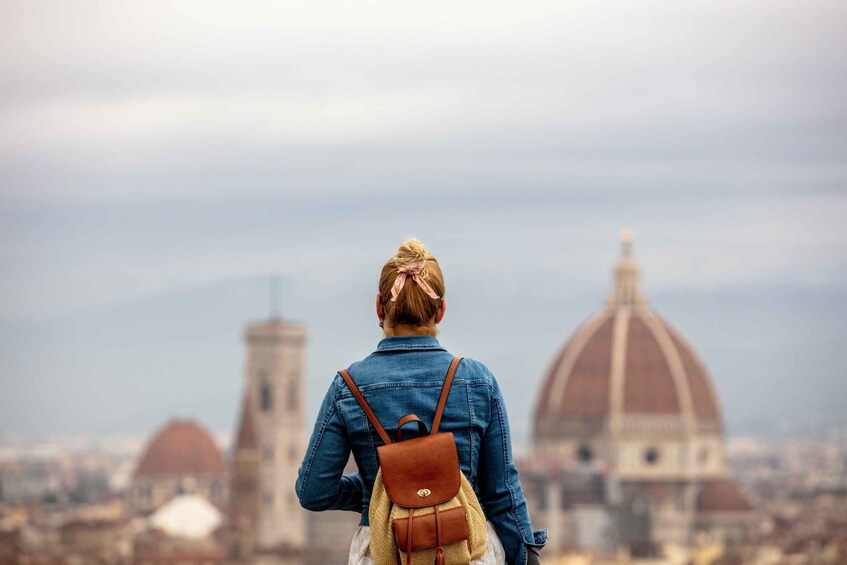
[(403, 330)]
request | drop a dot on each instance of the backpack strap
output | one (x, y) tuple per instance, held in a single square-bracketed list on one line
[(363, 403), (422, 431), (445, 392)]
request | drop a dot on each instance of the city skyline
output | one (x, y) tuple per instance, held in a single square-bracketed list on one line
[(159, 165), (198, 317), (638, 207)]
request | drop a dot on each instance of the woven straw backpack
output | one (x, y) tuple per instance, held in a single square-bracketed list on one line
[(423, 510)]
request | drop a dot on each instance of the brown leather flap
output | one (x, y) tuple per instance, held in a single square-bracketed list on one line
[(421, 472), (454, 528)]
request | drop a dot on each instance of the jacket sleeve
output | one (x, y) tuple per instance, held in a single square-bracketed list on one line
[(321, 483), (500, 490)]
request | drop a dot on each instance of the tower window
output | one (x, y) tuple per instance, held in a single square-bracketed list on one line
[(541, 498), (265, 396), (145, 493), (651, 455), (584, 453), (292, 396)]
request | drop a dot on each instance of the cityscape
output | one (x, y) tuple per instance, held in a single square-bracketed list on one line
[(637, 206), (64, 502), (184, 496)]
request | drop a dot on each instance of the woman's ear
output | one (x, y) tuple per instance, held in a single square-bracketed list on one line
[(441, 309), (380, 311)]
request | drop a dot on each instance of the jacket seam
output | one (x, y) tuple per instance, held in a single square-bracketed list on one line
[(509, 485), (409, 384), (471, 434), (345, 393), (367, 424), (318, 441), (343, 419), (411, 348)]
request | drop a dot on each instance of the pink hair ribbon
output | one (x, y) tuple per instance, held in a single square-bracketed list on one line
[(411, 270)]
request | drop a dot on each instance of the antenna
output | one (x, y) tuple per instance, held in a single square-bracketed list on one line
[(627, 236), (275, 297)]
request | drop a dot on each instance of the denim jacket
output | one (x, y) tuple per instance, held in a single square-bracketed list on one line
[(404, 375)]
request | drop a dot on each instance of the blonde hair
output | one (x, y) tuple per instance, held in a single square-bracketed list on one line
[(413, 306)]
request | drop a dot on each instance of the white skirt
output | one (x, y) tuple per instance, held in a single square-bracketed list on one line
[(360, 551)]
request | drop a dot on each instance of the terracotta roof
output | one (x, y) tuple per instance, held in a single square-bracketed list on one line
[(587, 387), (648, 384), (182, 447), (722, 496), (647, 380), (660, 374), (702, 391)]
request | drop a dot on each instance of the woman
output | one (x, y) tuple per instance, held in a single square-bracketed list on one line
[(404, 375)]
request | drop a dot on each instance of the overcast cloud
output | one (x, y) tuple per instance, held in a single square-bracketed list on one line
[(153, 152)]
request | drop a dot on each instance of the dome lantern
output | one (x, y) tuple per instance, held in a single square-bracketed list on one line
[(627, 282)]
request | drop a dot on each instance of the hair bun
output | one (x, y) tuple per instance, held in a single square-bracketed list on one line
[(415, 304), (412, 251)]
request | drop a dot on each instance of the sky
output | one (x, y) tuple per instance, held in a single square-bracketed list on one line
[(161, 162)]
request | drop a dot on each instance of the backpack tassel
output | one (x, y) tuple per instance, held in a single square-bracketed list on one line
[(439, 554), (409, 539)]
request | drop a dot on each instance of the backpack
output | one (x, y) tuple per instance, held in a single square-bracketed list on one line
[(423, 510)]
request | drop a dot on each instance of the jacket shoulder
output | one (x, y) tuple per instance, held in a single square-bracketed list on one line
[(473, 370)]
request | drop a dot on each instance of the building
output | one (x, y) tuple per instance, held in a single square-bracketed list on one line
[(34, 479), (181, 458), (245, 485), (181, 532), (628, 435), (96, 541), (264, 510)]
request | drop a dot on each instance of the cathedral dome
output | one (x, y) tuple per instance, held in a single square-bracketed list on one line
[(181, 448), (626, 363), (722, 496)]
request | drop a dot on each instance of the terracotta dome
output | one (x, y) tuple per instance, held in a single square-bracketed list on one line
[(722, 496), (626, 361), (181, 448)]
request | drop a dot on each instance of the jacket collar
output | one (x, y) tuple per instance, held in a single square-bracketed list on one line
[(408, 342)]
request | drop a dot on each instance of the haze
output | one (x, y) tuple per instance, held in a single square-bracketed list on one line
[(161, 162)]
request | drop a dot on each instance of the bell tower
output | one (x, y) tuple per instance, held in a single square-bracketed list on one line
[(272, 411)]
